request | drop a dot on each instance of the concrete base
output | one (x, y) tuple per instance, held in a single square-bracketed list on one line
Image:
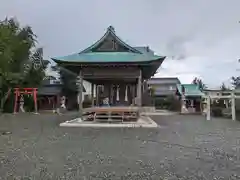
[(144, 122), (159, 113), (148, 109)]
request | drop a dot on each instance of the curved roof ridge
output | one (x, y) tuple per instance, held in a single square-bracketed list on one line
[(110, 30)]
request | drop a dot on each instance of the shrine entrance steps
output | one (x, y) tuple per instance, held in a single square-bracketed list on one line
[(111, 117)]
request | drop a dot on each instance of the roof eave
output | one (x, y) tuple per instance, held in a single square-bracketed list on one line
[(155, 64), (160, 59)]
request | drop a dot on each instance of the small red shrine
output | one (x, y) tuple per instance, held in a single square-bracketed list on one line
[(23, 91)]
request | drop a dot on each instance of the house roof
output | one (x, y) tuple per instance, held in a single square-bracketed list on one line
[(108, 57), (213, 90), (164, 86), (162, 81), (190, 89), (51, 81), (145, 50), (164, 92), (129, 55), (49, 78), (52, 87), (110, 49), (49, 90)]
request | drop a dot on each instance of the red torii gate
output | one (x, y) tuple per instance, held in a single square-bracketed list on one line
[(30, 91)]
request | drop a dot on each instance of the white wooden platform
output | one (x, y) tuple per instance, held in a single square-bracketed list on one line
[(143, 122)]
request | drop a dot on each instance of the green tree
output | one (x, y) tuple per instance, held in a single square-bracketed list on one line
[(21, 64), (68, 79), (200, 83), (236, 81), (35, 69), (223, 87), (69, 85)]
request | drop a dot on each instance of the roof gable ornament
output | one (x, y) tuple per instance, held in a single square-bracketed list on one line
[(110, 42), (111, 28)]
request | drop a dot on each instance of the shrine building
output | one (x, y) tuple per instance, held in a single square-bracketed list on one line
[(115, 69)]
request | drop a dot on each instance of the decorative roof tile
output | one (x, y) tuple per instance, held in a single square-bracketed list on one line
[(110, 32)]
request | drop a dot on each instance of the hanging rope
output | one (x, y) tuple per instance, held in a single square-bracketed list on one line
[(118, 88), (126, 93)]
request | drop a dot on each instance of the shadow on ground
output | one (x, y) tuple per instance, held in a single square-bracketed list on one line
[(183, 147)]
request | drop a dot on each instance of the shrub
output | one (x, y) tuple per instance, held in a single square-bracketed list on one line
[(28, 104), (87, 102), (170, 103), (217, 111), (9, 104), (174, 104), (238, 115), (159, 103)]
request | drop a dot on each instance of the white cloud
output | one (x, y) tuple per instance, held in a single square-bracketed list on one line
[(214, 64), (204, 35), (180, 69)]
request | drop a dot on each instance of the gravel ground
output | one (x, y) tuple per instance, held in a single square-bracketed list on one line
[(184, 147)]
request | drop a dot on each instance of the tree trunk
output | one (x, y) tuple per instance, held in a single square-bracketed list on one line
[(4, 99)]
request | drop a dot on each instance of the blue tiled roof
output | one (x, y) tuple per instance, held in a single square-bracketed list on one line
[(133, 54), (94, 57), (144, 50), (190, 89)]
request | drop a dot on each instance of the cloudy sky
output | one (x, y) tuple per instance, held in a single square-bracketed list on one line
[(199, 37)]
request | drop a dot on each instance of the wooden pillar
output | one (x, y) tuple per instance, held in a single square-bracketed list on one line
[(80, 93), (16, 100), (233, 106), (117, 93), (208, 108), (92, 93), (136, 94), (96, 92), (183, 104), (132, 94), (139, 89), (111, 94), (35, 100)]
